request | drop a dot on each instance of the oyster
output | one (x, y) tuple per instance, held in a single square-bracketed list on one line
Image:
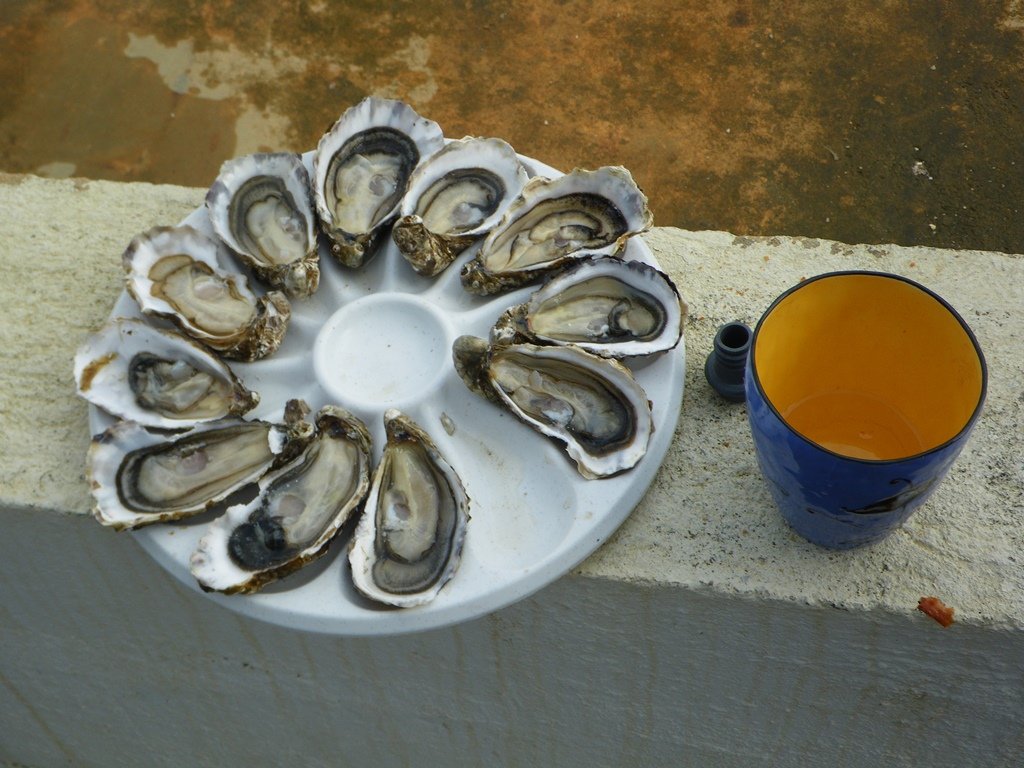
[(157, 378), (592, 405), (607, 306), (455, 196), (260, 206), (138, 477), (299, 509), (580, 214), (409, 540), (176, 273), (360, 172)]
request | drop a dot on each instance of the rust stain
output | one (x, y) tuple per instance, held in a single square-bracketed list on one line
[(1013, 17), (804, 119)]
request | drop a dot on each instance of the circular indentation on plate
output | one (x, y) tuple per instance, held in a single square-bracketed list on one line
[(382, 351)]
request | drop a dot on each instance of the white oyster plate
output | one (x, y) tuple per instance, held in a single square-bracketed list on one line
[(380, 337)]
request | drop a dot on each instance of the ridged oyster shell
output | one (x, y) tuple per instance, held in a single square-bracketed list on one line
[(139, 477), (409, 540), (260, 206), (593, 406), (607, 306), (157, 378), (361, 169), (456, 196), (555, 221), (299, 509), (178, 273)]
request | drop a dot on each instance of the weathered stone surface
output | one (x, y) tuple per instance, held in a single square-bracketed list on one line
[(860, 121), (707, 520), (60, 254)]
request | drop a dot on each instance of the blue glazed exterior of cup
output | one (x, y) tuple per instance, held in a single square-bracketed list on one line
[(837, 501)]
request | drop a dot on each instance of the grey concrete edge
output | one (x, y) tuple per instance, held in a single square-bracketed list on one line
[(707, 521)]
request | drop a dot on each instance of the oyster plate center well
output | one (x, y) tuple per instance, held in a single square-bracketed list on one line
[(382, 351), (380, 337)]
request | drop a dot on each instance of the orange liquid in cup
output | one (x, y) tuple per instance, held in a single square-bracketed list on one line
[(856, 425), (868, 366)]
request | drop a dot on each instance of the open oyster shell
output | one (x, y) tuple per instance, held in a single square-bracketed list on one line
[(177, 273), (607, 306), (580, 214), (592, 405), (456, 196), (139, 477), (361, 169), (157, 378), (299, 509), (409, 540), (260, 206)]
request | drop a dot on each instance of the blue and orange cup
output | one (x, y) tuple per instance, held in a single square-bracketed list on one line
[(862, 389)]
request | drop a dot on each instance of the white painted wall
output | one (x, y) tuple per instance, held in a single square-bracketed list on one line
[(105, 661)]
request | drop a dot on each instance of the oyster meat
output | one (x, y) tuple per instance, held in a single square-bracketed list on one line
[(260, 206), (580, 214), (590, 404), (361, 169), (176, 273), (299, 509), (409, 540), (139, 477), (605, 305), (455, 196), (157, 378)]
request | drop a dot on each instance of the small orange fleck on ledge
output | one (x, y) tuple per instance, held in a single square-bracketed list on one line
[(937, 609)]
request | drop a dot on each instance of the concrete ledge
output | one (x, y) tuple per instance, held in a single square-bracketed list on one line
[(703, 588), (60, 246), (707, 520)]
